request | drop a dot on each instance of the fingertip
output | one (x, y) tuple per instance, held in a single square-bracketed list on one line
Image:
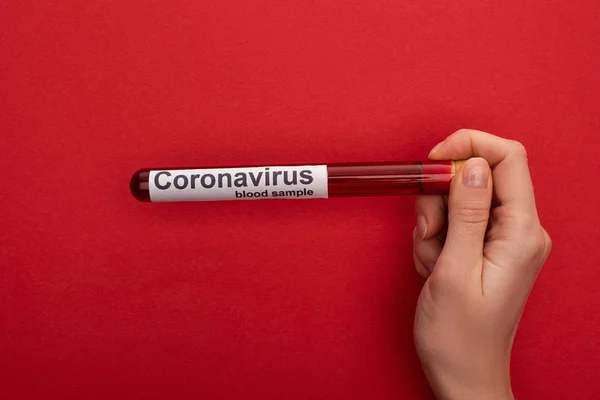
[(420, 268), (456, 146), (435, 149), (425, 253), (430, 212), (421, 225), (435, 153)]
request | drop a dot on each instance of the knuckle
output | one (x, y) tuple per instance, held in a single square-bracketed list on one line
[(548, 240), (469, 131), (533, 243), (473, 215), (547, 244), (538, 245), (518, 148), (462, 132)]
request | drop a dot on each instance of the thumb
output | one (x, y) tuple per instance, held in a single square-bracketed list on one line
[(468, 214)]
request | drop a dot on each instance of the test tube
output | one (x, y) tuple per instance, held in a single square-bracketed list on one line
[(293, 181)]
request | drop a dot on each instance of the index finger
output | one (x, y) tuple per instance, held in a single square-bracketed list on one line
[(508, 161)]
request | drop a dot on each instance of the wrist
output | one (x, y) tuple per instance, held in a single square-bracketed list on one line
[(475, 387), (475, 394)]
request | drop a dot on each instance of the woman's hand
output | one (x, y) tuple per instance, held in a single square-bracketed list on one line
[(481, 252)]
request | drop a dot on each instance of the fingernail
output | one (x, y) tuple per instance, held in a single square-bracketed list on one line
[(421, 225), (436, 148), (430, 267), (476, 174)]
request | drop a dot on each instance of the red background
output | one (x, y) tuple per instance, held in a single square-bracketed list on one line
[(105, 297)]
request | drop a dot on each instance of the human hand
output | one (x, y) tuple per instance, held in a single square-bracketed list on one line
[(481, 253)]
